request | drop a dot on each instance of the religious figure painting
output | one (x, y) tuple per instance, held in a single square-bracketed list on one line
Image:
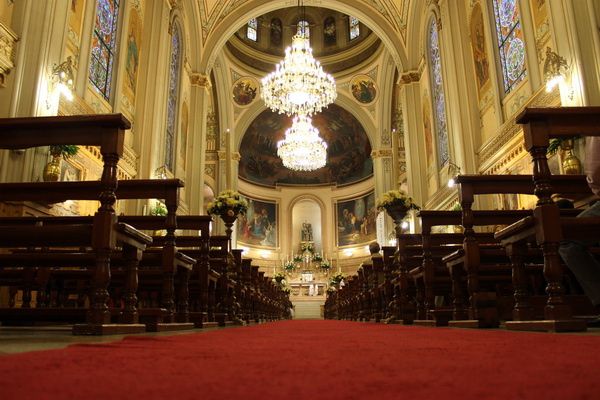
[(276, 32), (482, 68), (259, 226), (183, 132), (76, 18), (363, 89), (244, 91), (348, 150), (329, 32), (132, 58), (356, 220)]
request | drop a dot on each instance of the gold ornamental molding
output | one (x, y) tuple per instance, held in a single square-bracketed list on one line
[(410, 77), (381, 153), (236, 156), (507, 145), (200, 80), (7, 52)]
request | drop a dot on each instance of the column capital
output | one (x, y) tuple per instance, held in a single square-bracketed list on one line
[(200, 80), (236, 156)]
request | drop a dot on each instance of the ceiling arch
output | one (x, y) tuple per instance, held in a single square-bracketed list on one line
[(362, 9)]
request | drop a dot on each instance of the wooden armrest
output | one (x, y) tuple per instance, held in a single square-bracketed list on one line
[(454, 256), (516, 231), (129, 235)]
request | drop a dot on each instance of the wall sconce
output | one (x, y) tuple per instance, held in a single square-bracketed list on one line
[(555, 69), (453, 170), (62, 76)]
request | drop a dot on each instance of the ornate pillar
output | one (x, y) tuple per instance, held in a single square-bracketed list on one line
[(200, 98), (414, 142), (383, 174)]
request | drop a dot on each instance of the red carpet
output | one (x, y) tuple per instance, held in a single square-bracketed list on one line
[(314, 360)]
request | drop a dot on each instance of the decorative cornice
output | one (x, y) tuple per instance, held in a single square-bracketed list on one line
[(236, 156)]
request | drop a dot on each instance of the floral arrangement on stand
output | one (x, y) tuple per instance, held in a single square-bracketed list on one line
[(228, 202), (396, 198), (336, 279), (297, 259), (279, 278), (159, 209), (325, 265), (317, 257)]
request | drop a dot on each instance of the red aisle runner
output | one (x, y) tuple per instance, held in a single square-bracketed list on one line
[(314, 360)]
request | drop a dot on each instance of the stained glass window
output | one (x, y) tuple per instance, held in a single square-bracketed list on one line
[(174, 69), (252, 29), (354, 28), (511, 46), (104, 45), (303, 28), (437, 90)]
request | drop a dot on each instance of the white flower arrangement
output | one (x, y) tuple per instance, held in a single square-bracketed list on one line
[(396, 198), (228, 202)]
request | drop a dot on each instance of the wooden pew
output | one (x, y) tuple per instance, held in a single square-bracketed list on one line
[(105, 233), (159, 264), (546, 225)]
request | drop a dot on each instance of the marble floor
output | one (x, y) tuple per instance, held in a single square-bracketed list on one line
[(23, 339)]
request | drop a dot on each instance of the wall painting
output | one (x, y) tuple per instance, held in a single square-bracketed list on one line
[(132, 56), (363, 89), (259, 226), (482, 67), (356, 220), (244, 91)]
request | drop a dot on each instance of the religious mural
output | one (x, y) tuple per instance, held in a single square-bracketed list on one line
[(259, 226), (244, 91), (132, 57), (348, 152), (356, 220), (76, 18), (276, 32), (329, 32), (482, 68), (363, 89)]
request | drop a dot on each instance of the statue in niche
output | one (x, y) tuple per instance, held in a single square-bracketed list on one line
[(307, 234)]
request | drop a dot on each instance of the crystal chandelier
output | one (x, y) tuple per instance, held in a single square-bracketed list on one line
[(298, 85), (302, 149)]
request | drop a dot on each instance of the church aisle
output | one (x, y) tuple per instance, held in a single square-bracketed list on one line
[(314, 360)]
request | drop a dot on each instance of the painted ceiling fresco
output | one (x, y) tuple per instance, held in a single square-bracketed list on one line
[(348, 151)]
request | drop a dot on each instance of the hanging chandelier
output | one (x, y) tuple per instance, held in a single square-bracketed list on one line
[(298, 85), (302, 149)]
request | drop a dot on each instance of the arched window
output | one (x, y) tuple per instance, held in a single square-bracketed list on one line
[(303, 28), (104, 46), (252, 30), (174, 72), (510, 42), (354, 27), (437, 91)]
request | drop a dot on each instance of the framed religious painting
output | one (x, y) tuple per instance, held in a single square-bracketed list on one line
[(259, 226), (356, 220)]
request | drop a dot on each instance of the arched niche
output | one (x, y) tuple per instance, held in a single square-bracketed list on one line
[(307, 211)]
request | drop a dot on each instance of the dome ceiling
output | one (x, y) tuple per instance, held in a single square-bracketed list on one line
[(338, 41), (348, 152)]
